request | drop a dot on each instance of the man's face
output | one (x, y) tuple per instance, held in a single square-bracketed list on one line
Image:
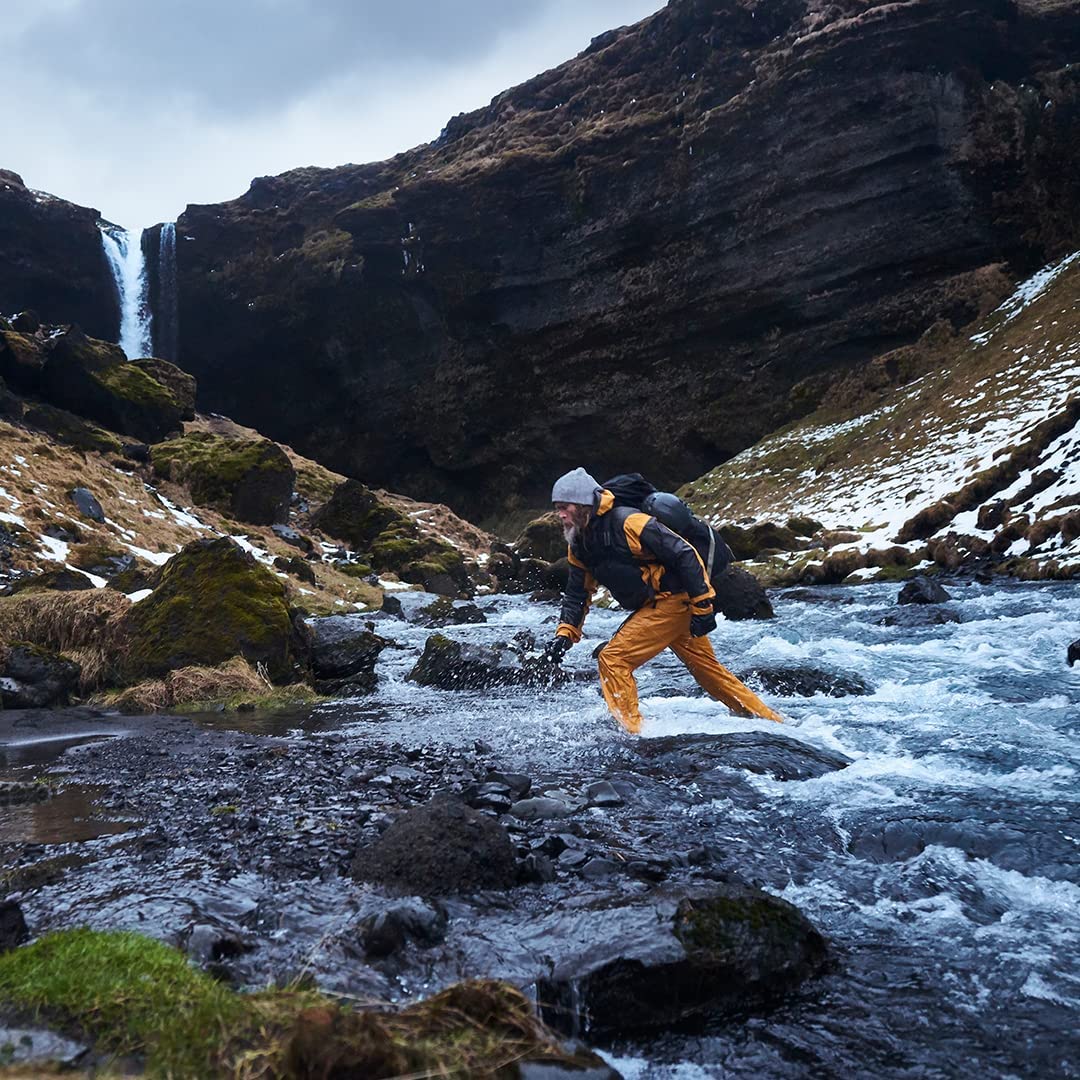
[(573, 517)]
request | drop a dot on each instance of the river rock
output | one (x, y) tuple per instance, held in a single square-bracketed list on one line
[(440, 848), (13, 929), (922, 590), (246, 479), (603, 793), (1074, 652), (444, 612), (542, 538), (343, 652), (761, 752), (805, 681), (453, 665), (212, 601), (916, 615), (683, 958), (412, 919), (32, 677), (540, 809), (739, 595)]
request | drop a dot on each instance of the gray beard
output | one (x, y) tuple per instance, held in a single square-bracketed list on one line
[(570, 532)]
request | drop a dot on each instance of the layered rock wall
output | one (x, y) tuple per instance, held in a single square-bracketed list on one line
[(648, 257)]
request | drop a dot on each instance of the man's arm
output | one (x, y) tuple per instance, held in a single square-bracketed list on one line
[(575, 606), (646, 535)]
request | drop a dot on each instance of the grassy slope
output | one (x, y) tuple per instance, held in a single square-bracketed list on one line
[(873, 469)]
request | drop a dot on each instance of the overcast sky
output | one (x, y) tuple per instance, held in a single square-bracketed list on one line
[(138, 107)]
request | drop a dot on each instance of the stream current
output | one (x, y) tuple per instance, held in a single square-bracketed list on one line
[(943, 863)]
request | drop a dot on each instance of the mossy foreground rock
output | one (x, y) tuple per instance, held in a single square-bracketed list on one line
[(213, 601), (248, 479), (542, 538), (683, 959), (355, 514)]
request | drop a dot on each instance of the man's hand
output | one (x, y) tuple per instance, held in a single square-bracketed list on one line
[(557, 649), (700, 625)]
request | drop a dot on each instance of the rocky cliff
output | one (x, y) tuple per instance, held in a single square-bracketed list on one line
[(650, 256), (52, 262)]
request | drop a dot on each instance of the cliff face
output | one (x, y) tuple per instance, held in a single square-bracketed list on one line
[(650, 256), (51, 260)]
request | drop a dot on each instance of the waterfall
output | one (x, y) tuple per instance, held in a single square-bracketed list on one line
[(125, 257), (166, 326)]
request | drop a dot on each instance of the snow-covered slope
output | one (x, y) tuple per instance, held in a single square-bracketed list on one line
[(979, 458)]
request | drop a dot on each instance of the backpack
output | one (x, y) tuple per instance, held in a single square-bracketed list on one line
[(633, 490)]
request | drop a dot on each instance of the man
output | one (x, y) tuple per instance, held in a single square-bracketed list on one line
[(652, 572)]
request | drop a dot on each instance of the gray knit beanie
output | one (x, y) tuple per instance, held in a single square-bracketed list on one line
[(576, 486)]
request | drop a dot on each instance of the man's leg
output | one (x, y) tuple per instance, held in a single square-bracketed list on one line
[(646, 634), (697, 654)]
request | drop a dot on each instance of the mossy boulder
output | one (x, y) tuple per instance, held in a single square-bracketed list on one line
[(102, 560), (22, 358), (68, 428), (355, 514), (764, 536), (177, 381), (247, 479), (542, 538), (92, 378), (212, 601), (680, 960), (60, 580)]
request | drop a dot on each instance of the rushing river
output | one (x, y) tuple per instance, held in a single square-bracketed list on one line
[(943, 863)]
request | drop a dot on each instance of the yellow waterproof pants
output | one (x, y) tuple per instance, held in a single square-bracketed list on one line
[(647, 633)]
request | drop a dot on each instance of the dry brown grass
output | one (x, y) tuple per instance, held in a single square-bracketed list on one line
[(191, 685)]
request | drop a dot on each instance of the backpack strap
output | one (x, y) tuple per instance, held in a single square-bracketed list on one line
[(712, 554)]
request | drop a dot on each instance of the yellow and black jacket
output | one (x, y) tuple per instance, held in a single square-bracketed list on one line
[(636, 559)]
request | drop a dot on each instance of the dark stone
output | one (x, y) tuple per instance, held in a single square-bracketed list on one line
[(805, 681), (518, 784), (739, 595), (537, 869), (32, 677), (444, 612), (291, 536), (86, 504), (922, 590), (391, 605), (761, 752), (177, 381), (57, 580), (540, 809), (343, 649), (1074, 652), (441, 848), (388, 932), (603, 793), (296, 566), (452, 665), (26, 322), (597, 869), (919, 615), (69, 534), (139, 452), (680, 960), (13, 929)]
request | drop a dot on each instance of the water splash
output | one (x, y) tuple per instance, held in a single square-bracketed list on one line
[(128, 266)]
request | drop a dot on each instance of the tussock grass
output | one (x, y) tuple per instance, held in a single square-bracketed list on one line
[(231, 682), (139, 997)]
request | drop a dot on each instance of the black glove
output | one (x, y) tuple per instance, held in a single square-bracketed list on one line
[(557, 649), (700, 625)]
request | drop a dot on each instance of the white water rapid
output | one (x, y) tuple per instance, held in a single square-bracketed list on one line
[(124, 252)]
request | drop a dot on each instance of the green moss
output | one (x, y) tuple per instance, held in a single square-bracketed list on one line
[(213, 602), (354, 570), (719, 924), (139, 997), (133, 385), (71, 429)]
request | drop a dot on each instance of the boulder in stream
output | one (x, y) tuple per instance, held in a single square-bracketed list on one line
[(453, 665), (682, 958), (805, 681), (922, 590), (1074, 652), (739, 595), (438, 849), (343, 654)]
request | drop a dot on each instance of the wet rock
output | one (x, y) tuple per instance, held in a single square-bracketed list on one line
[(343, 653), (389, 931), (13, 929), (86, 504), (922, 590), (212, 601), (536, 869), (540, 809), (444, 612), (573, 859), (684, 958), (516, 783), (603, 793), (739, 595), (805, 681), (208, 944), (452, 665), (919, 615), (550, 1070), (32, 677), (440, 848), (391, 605), (759, 752), (27, 1046), (246, 479), (599, 868), (1074, 652)]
